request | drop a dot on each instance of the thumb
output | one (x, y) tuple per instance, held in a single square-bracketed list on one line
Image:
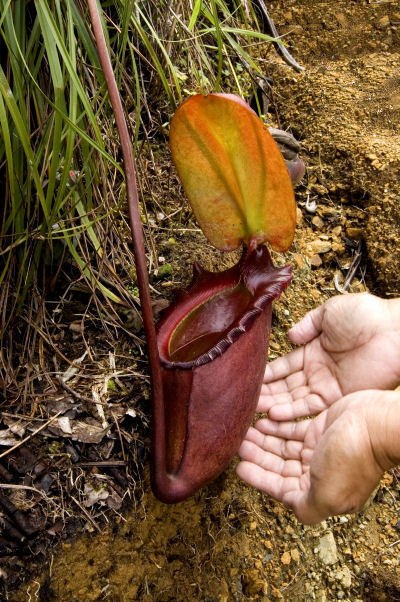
[(308, 328)]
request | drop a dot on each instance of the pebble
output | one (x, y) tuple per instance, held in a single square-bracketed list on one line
[(315, 294), (319, 246), (315, 261), (319, 189), (252, 583), (318, 222), (328, 211), (327, 549), (338, 247), (286, 558), (343, 575), (300, 260), (383, 22), (355, 233), (275, 347), (299, 216)]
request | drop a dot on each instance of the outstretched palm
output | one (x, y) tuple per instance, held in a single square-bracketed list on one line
[(349, 344), (321, 466)]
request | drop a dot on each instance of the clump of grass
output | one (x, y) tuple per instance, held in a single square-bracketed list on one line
[(63, 225)]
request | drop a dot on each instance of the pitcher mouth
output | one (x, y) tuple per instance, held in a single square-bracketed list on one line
[(217, 309)]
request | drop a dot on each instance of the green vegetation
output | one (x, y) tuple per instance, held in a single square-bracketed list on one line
[(63, 214)]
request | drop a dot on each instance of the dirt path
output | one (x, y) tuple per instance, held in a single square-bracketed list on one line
[(231, 543)]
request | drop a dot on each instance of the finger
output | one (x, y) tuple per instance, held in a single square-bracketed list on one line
[(283, 391), (308, 328), (295, 431), (288, 450), (251, 452), (310, 405), (284, 366), (293, 381), (266, 481), (267, 400)]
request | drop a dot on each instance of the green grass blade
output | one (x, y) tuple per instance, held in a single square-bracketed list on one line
[(195, 14)]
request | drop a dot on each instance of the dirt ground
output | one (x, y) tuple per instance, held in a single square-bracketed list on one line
[(229, 542)]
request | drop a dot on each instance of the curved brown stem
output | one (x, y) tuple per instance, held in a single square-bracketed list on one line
[(137, 234), (269, 27)]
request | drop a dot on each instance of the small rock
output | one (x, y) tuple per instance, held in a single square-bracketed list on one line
[(355, 233), (383, 22), (337, 231), (338, 248), (318, 222), (315, 294), (252, 583), (358, 557), (295, 554), (321, 596), (299, 216), (327, 549), (315, 261), (300, 260), (286, 558), (329, 212), (288, 16), (319, 189), (319, 246), (341, 19), (343, 575), (275, 347)]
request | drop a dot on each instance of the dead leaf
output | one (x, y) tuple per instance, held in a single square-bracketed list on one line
[(93, 496), (65, 424), (73, 368), (7, 438), (17, 427), (84, 432)]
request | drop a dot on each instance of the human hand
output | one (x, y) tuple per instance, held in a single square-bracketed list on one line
[(329, 464), (349, 343)]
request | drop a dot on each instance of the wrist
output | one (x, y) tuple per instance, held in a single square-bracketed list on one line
[(383, 420)]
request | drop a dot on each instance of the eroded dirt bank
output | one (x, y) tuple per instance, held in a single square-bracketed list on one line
[(231, 543)]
